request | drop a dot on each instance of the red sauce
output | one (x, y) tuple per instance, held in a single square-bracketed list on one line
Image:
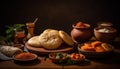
[(20, 34), (25, 55)]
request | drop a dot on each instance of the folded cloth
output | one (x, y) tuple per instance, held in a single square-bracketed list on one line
[(3, 57)]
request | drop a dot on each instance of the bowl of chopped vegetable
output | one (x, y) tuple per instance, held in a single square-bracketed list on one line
[(58, 57)]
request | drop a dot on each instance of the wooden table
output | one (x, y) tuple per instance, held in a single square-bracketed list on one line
[(112, 61), (106, 63)]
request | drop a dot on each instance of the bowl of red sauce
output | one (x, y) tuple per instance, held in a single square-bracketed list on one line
[(25, 57)]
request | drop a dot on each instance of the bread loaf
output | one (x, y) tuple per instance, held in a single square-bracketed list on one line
[(34, 41)]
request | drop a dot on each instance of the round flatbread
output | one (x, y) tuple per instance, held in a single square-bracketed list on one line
[(51, 31), (34, 41), (50, 40), (66, 38)]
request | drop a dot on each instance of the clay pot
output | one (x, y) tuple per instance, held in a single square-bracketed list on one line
[(81, 34), (107, 34)]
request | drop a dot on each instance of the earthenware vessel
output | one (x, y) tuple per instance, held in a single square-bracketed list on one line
[(82, 33), (105, 34)]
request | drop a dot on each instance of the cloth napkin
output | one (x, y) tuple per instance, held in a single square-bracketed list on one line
[(4, 57)]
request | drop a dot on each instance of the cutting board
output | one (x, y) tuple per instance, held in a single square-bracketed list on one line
[(41, 50)]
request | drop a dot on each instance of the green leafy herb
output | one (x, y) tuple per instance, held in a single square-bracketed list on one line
[(45, 58), (69, 62), (59, 55), (10, 32)]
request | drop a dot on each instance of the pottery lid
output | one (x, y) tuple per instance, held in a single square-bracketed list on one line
[(105, 29), (106, 24)]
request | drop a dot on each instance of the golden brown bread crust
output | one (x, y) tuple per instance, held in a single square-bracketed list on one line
[(34, 41), (50, 39), (66, 38)]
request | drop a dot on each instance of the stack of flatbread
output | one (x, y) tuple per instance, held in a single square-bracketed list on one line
[(51, 39)]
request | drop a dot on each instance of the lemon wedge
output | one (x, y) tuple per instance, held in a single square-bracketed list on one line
[(106, 47)]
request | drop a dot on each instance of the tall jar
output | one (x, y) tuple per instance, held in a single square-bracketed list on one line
[(30, 28), (81, 32)]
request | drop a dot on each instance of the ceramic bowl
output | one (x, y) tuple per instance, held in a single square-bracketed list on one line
[(57, 57), (25, 57), (74, 57), (105, 34), (94, 54)]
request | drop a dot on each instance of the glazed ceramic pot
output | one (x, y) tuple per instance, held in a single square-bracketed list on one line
[(105, 34), (81, 34)]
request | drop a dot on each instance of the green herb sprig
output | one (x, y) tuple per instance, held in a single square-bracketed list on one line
[(10, 32)]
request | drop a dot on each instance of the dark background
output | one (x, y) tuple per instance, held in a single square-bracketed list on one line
[(58, 14)]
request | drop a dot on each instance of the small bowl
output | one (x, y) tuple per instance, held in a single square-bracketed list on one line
[(102, 34), (21, 46), (94, 54), (25, 57), (78, 60), (53, 57)]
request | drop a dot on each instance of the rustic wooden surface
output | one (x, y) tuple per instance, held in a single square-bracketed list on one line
[(112, 61)]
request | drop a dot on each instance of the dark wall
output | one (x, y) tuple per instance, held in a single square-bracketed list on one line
[(58, 14)]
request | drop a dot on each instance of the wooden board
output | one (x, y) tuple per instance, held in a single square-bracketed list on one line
[(41, 50)]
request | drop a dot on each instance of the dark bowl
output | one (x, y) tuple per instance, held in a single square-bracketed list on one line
[(105, 36), (52, 56), (78, 60), (25, 60), (21, 46), (93, 54)]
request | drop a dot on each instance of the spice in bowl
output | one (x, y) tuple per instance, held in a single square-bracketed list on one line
[(25, 56), (77, 57)]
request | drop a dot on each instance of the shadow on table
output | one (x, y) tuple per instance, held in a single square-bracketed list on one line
[(69, 62), (114, 58), (28, 63)]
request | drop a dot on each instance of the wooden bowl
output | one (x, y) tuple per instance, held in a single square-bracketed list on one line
[(78, 60), (25, 57), (63, 58), (94, 54), (105, 36)]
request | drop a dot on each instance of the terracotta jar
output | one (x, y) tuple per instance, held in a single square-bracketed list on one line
[(81, 32)]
